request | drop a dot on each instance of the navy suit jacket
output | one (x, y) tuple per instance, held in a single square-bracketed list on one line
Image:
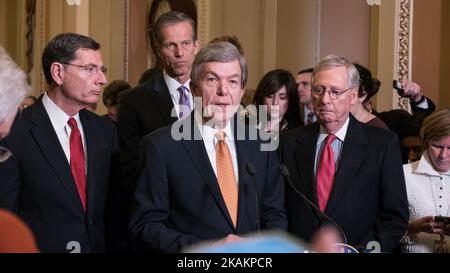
[(37, 183), (178, 197), (368, 200), (142, 110)]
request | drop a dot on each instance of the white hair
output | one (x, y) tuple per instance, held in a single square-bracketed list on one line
[(13, 86)]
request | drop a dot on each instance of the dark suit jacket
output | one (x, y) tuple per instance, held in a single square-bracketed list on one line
[(368, 200), (37, 183), (142, 110), (179, 200)]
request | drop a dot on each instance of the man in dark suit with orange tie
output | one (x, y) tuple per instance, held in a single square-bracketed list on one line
[(351, 171), (63, 155), (203, 178)]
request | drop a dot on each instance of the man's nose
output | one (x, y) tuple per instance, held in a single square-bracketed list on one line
[(179, 51)]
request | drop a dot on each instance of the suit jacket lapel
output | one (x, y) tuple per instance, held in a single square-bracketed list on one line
[(47, 140), (243, 157), (163, 102), (305, 156), (92, 145), (353, 155), (199, 157)]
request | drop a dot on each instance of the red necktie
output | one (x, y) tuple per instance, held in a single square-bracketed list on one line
[(77, 162), (325, 173)]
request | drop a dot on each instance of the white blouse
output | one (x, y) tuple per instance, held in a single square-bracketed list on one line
[(428, 195)]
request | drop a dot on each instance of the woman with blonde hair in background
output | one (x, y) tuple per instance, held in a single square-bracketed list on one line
[(428, 188)]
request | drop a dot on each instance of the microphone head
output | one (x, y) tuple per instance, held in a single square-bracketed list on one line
[(250, 169), (284, 170)]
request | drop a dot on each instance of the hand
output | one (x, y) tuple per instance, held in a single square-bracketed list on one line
[(412, 91), (447, 230), (230, 238), (425, 224), (325, 239)]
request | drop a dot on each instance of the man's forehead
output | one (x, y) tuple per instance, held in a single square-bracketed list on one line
[(223, 68)]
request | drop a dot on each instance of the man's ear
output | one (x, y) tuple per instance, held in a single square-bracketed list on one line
[(57, 71), (196, 47)]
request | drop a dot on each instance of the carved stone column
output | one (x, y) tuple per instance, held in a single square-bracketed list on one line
[(404, 47)]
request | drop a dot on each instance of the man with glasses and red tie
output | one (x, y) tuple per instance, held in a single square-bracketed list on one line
[(63, 155), (350, 171)]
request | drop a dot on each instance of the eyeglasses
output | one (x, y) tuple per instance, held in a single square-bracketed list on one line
[(319, 91), (90, 68), (4, 154)]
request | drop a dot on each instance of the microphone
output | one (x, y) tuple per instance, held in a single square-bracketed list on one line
[(286, 175), (252, 172)]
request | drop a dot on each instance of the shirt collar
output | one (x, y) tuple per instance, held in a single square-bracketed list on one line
[(209, 132), (425, 166), (57, 116), (340, 134), (173, 84)]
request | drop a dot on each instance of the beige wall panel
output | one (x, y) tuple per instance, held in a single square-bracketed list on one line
[(244, 19), (427, 46), (444, 92), (345, 29), (386, 54), (296, 34), (138, 40)]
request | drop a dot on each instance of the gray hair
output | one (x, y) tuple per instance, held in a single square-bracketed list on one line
[(222, 52), (168, 19), (334, 61), (13, 86)]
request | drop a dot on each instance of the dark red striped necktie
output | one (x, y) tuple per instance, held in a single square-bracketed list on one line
[(77, 160)]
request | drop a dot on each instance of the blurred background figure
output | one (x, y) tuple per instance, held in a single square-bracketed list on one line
[(277, 91), (111, 97), (368, 87), (13, 89), (303, 80), (28, 101), (428, 188), (15, 236)]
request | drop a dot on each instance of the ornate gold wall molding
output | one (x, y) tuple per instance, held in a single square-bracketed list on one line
[(404, 46)]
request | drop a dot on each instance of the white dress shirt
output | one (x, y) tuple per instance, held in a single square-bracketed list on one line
[(210, 142), (428, 195), (59, 120), (173, 85)]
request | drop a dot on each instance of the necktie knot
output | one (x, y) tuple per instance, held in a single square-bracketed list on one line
[(220, 135), (310, 118), (330, 139), (72, 123)]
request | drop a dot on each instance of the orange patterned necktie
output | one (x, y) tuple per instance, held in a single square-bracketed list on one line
[(226, 177)]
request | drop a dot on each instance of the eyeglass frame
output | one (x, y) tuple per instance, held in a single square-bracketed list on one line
[(333, 96), (87, 67)]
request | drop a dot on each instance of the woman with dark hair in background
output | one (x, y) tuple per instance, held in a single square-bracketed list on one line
[(368, 87), (277, 91)]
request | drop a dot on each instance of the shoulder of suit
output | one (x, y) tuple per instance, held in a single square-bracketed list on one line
[(146, 89)]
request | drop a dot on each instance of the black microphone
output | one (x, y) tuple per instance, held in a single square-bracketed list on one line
[(252, 172), (286, 175)]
